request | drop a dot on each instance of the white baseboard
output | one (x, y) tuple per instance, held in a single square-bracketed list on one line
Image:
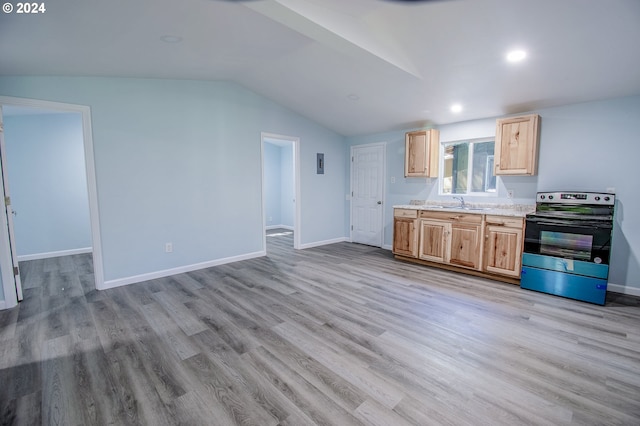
[(619, 288), (324, 243), (290, 228), (180, 270), (54, 254), (387, 247)]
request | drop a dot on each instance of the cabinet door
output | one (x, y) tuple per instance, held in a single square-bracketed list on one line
[(465, 246), (503, 250), (421, 153), (516, 146), (434, 240), (404, 236)]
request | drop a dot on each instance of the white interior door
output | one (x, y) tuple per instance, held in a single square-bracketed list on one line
[(367, 192), (9, 212)]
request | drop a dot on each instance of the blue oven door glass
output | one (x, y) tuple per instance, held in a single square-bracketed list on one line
[(563, 244)]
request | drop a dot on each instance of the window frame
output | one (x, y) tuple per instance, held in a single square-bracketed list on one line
[(441, 170)]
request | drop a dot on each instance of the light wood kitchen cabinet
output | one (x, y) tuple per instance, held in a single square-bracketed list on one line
[(478, 244), (503, 245), (405, 241), (450, 238), (516, 146), (421, 153), (434, 240), (465, 245)]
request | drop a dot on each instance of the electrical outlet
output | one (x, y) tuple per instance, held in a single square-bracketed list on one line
[(393, 179), (168, 248), (510, 194), (611, 190)]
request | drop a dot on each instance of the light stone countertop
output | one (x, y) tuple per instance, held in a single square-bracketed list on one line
[(514, 210)]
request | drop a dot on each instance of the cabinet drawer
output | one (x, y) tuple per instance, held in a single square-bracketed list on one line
[(452, 216), (511, 222), (405, 213)]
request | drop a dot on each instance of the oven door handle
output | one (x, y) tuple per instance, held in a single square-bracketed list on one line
[(571, 223)]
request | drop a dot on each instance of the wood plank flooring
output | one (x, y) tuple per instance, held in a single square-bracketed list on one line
[(335, 335)]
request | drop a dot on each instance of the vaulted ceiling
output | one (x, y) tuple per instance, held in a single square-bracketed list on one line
[(355, 66)]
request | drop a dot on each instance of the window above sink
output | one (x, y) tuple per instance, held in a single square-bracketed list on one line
[(466, 168)]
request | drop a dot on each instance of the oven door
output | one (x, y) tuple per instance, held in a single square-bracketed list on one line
[(567, 257), (578, 240)]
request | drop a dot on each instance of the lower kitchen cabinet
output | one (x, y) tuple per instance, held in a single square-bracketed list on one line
[(503, 245), (465, 245), (405, 241), (485, 245), (450, 238), (434, 240)]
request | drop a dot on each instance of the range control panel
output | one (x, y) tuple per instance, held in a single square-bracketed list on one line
[(595, 198)]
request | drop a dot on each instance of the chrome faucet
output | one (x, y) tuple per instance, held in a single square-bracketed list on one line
[(462, 204)]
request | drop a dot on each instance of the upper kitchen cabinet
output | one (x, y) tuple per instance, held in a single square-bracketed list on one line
[(421, 153), (516, 147)]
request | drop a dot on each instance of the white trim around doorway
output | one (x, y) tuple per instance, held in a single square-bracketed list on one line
[(87, 133), (296, 172)]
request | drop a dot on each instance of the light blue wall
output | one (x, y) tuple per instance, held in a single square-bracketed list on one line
[(272, 184), (45, 156), (585, 147), (179, 161), (593, 146)]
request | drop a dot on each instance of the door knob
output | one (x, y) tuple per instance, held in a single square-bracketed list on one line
[(379, 202)]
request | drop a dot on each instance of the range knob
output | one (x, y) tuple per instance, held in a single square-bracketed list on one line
[(597, 198), (551, 197), (542, 197), (607, 198)]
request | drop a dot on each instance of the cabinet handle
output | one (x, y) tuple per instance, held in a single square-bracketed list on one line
[(496, 223)]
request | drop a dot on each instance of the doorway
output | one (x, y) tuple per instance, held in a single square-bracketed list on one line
[(280, 188), (9, 239), (367, 193)]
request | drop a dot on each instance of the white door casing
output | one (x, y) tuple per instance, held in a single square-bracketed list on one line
[(14, 271), (367, 193), (295, 142), (87, 133)]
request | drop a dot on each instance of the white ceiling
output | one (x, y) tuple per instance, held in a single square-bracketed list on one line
[(405, 63)]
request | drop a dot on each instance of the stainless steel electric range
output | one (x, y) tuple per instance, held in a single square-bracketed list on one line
[(567, 245)]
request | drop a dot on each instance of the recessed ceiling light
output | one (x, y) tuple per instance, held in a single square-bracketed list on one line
[(353, 97), (516, 55), (171, 39), (456, 108)]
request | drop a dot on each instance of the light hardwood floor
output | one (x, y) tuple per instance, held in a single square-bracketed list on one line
[(335, 335)]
